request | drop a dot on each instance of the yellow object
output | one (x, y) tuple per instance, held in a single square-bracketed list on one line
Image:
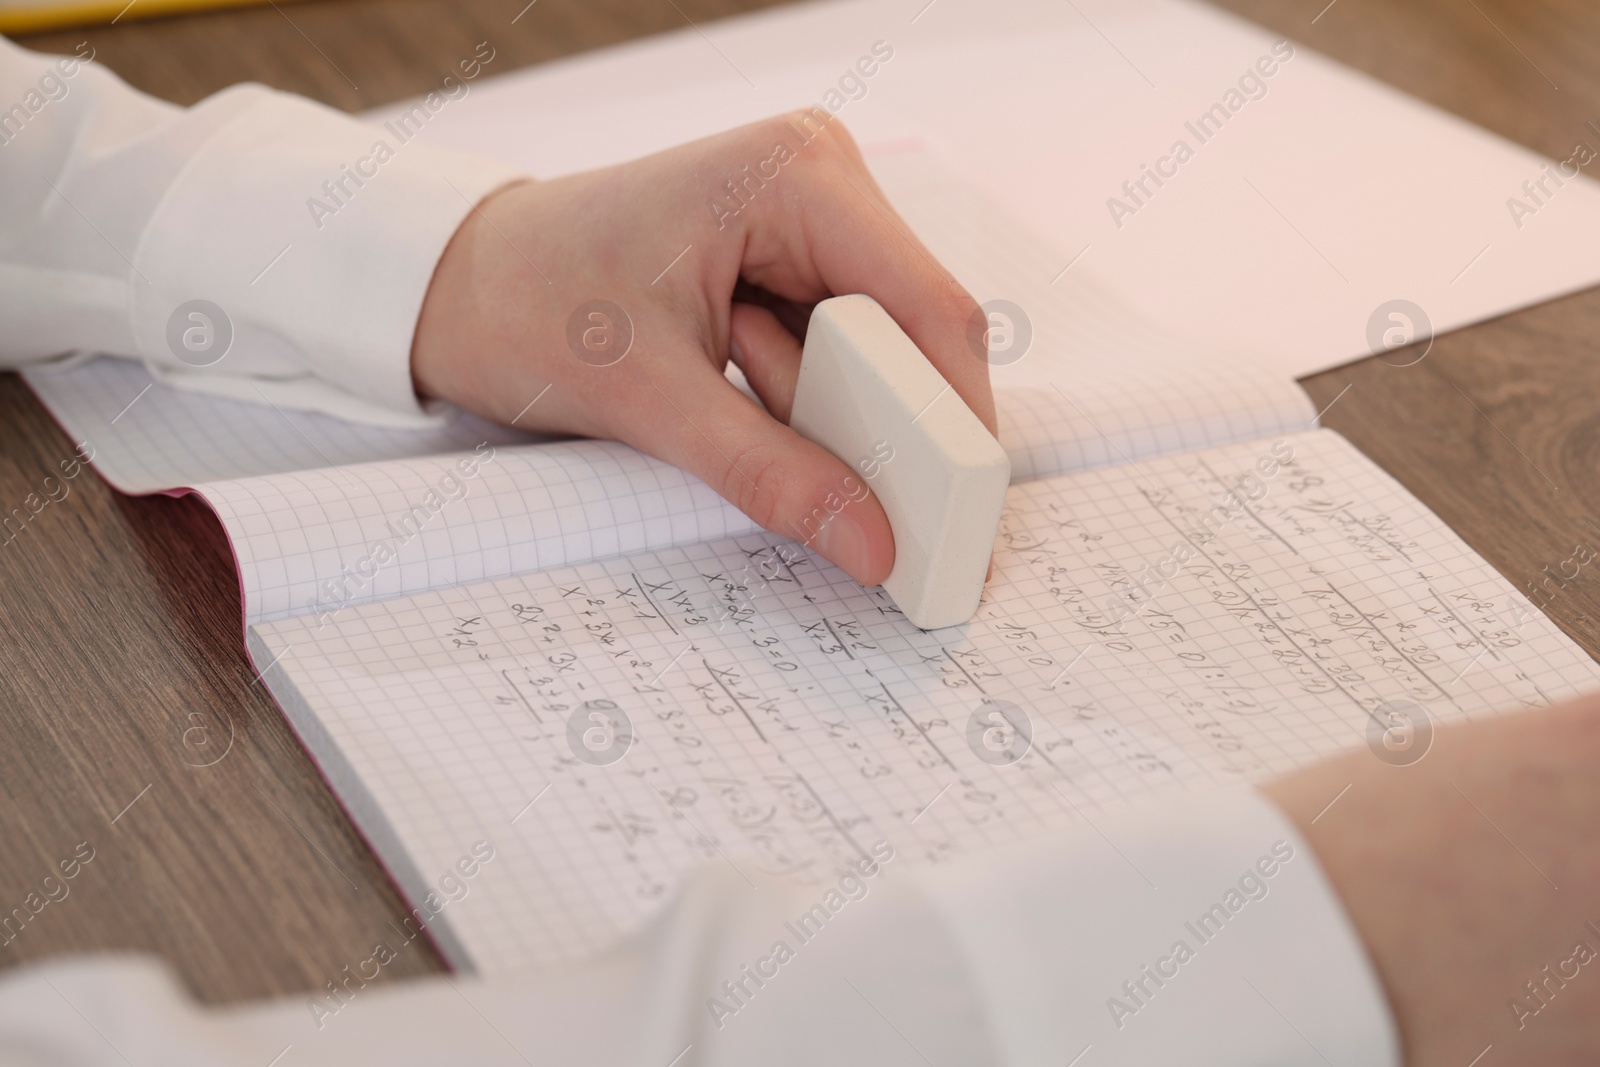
[(32, 18)]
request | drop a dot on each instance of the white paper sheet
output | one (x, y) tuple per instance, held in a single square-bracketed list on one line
[(1326, 198)]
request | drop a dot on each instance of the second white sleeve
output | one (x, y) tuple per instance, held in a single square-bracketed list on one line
[(1201, 933), (1056, 951)]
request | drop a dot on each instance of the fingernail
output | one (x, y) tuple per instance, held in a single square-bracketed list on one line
[(843, 542)]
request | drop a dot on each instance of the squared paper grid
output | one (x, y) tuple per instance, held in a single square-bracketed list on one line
[(150, 438), (784, 718)]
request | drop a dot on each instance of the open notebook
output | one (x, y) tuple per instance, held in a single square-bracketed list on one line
[(447, 618)]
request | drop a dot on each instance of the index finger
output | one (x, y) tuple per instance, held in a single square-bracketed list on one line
[(835, 233)]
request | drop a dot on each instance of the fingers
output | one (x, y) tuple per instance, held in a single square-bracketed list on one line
[(781, 480), (769, 356), (840, 235)]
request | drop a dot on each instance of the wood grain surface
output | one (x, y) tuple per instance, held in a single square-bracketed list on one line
[(122, 670)]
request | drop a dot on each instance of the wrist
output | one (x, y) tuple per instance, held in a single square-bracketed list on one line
[(452, 307)]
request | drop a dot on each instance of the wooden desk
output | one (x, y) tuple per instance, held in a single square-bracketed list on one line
[(122, 667)]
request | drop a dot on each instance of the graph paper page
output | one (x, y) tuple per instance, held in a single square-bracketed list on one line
[(149, 437), (780, 718), (324, 539), (319, 542)]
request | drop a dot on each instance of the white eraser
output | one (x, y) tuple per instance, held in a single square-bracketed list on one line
[(867, 394)]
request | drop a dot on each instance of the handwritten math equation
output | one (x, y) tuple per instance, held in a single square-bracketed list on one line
[(744, 702)]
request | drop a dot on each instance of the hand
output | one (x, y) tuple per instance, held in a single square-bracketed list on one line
[(1467, 874), (808, 223)]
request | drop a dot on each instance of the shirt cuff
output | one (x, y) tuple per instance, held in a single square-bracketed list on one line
[(1200, 934), (315, 236)]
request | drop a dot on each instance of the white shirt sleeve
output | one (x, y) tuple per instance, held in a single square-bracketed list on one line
[(303, 239), (1061, 950)]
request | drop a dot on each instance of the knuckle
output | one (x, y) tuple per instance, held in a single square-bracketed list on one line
[(954, 300), (842, 141), (788, 124), (817, 134), (754, 482)]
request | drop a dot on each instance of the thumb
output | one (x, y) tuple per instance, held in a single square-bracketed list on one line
[(788, 484)]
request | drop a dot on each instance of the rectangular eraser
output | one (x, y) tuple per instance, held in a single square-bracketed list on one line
[(866, 391)]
